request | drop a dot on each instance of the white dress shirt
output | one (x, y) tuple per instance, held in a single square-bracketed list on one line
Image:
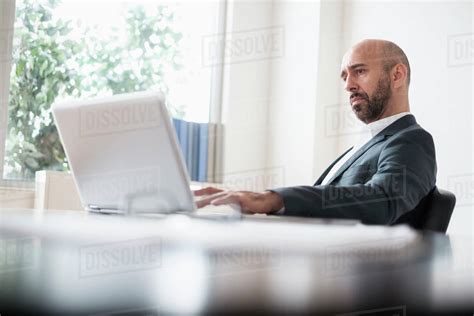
[(369, 132)]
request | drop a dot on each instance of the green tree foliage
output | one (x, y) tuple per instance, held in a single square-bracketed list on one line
[(48, 63)]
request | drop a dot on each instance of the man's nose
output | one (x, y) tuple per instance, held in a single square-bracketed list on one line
[(350, 84)]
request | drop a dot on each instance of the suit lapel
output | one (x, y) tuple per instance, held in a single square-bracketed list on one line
[(390, 130), (321, 178), (356, 155)]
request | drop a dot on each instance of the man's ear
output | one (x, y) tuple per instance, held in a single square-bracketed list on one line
[(399, 75)]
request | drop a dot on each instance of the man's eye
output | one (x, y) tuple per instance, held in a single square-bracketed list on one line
[(360, 71)]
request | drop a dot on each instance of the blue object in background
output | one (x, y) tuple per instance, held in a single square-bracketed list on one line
[(194, 144)]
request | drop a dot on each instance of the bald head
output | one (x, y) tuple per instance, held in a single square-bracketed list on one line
[(388, 53)]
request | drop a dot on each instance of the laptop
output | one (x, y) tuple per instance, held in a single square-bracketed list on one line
[(124, 155)]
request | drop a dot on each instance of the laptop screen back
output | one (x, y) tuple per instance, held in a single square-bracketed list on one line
[(123, 153)]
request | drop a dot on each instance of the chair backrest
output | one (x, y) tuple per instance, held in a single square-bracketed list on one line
[(439, 208)]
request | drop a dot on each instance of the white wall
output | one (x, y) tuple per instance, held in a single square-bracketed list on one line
[(245, 94), (330, 114), (292, 110)]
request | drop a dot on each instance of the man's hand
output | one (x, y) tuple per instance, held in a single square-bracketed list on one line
[(250, 202)]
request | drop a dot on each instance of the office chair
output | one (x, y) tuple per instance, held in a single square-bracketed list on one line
[(438, 210)]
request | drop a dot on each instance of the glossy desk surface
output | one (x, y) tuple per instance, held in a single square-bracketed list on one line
[(74, 262)]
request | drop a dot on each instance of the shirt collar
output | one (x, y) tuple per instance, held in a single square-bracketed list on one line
[(377, 126)]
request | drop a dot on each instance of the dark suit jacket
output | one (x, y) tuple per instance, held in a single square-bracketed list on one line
[(384, 182)]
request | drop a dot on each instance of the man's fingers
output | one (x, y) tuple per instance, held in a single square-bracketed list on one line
[(202, 203), (208, 199), (249, 202), (207, 191)]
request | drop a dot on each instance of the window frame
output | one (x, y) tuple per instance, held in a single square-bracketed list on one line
[(7, 23)]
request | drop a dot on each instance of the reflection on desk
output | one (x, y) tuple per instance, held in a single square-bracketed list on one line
[(74, 262)]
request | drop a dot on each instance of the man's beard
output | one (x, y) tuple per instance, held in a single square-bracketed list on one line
[(376, 105)]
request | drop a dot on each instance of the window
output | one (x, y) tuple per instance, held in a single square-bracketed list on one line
[(70, 49)]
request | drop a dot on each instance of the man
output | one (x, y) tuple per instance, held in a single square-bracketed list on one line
[(383, 180)]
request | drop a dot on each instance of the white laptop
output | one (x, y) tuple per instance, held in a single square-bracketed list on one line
[(124, 155)]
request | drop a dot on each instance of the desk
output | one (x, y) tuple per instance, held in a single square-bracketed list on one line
[(74, 262)]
